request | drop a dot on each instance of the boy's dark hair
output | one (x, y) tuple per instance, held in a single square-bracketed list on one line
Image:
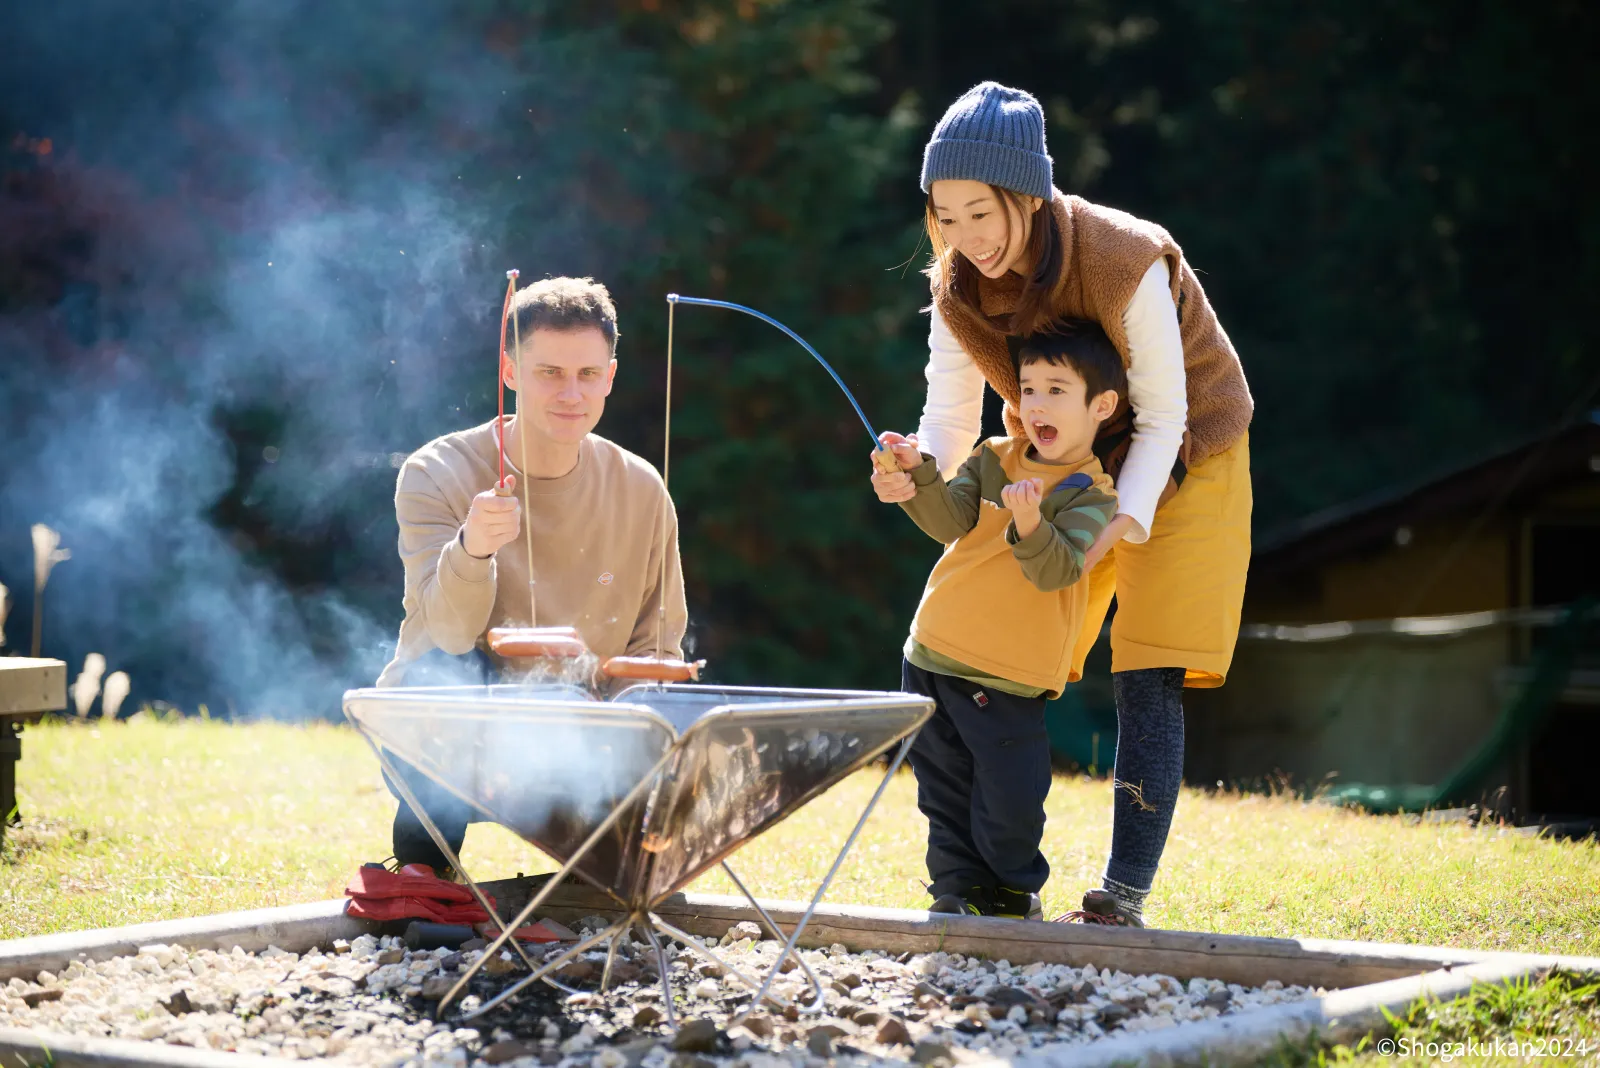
[(1080, 344), (565, 304)]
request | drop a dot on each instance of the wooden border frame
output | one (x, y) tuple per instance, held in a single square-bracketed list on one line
[(1365, 980)]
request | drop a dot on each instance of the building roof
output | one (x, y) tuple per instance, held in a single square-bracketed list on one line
[(1479, 488)]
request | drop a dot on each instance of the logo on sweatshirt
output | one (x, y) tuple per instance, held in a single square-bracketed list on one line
[(980, 699), (606, 578)]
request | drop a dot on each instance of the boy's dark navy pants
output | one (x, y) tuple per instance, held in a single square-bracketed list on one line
[(982, 763)]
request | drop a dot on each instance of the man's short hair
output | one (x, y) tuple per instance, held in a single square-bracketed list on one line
[(565, 304), (1081, 344)]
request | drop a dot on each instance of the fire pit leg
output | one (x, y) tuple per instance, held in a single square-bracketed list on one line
[(611, 956), (820, 1001), (794, 937), (550, 885), (512, 990), (697, 946), (664, 966), (428, 825)]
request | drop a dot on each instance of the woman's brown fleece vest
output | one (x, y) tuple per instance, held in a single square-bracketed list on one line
[(1107, 253)]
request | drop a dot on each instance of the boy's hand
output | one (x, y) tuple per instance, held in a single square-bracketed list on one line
[(907, 450), (1023, 499), (896, 487), (492, 521)]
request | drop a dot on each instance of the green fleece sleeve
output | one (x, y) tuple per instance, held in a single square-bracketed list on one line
[(945, 511), (1069, 521)]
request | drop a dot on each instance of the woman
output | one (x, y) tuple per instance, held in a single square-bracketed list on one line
[(1013, 256)]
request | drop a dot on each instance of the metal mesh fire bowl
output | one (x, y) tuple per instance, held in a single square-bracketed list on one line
[(551, 764)]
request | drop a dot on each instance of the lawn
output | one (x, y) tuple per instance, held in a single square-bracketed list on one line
[(150, 820)]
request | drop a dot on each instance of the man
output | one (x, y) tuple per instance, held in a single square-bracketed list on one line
[(595, 516)]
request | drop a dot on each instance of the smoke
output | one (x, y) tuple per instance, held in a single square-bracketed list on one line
[(251, 263)]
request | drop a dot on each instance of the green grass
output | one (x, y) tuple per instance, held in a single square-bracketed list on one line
[(150, 820), (1551, 1021)]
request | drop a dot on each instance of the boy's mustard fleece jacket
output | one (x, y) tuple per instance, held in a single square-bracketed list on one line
[(1008, 607)]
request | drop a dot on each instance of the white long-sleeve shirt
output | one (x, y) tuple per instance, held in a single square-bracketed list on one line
[(952, 417)]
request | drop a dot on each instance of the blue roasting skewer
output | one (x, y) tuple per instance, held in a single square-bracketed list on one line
[(674, 298)]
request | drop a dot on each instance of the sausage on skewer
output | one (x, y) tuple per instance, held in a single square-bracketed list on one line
[(536, 642), (652, 668), (554, 642)]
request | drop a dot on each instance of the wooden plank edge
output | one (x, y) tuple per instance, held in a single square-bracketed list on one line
[(1340, 1017), (295, 928), (1244, 959), (44, 1049), (1233, 958)]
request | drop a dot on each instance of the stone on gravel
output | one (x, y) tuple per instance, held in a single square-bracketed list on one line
[(579, 971), (1008, 996), (747, 929), (690, 1060), (560, 930), (760, 1025), (648, 1016), (498, 965), (696, 1036), (34, 998), (892, 1032), (501, 1052), (931, 1051), (437, 987)]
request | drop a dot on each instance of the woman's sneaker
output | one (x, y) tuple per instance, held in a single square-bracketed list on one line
[(1015, 905), (972, 902), (1101, 906)]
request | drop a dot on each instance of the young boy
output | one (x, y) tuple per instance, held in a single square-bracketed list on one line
[(994, 635)]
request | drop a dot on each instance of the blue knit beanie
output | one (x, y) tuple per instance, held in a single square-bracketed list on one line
[(991, 134)]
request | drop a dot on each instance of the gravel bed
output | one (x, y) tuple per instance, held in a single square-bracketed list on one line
[(370, 1002)]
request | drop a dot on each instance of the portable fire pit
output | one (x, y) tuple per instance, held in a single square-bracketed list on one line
[(638, 795)]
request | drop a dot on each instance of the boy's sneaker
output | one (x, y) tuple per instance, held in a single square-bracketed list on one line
[(974, 902), (1101, 906), (1015, 905)]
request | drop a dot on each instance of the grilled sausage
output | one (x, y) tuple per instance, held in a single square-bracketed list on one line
[(648, 667), (536, 642)]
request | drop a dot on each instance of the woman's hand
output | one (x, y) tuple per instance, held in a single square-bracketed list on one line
[(895, 487), (1023, 499), (1115, 530)]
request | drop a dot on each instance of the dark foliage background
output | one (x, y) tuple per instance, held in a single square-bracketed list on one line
[(251, 253)]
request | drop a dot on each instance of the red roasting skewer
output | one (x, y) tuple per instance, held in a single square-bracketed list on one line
[(500, 379)]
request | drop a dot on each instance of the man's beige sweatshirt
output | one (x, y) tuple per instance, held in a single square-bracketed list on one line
[(597, 548)]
